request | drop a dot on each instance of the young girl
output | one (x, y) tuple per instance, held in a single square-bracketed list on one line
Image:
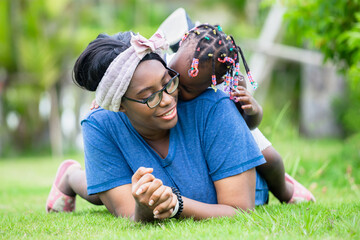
[(207, 56)]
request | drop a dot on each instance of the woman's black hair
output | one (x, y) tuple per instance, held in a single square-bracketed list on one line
[(91, 65)]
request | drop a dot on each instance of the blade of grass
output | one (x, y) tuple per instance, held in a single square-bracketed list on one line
[(279, 118)]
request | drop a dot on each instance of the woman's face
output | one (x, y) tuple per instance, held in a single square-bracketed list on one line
[(149, 77)]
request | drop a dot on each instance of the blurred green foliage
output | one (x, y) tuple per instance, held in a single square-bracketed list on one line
[(40, 39), (333, 27)]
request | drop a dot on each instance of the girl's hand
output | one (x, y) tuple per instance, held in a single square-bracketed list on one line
[(94, 105), (248, 103)]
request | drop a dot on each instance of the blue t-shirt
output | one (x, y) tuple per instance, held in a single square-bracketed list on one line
[(210, 142)]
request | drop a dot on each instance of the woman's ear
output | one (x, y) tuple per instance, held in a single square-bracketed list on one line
[(122, 108)]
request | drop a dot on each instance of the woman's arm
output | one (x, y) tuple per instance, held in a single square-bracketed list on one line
[(233, 193), (143, 200)]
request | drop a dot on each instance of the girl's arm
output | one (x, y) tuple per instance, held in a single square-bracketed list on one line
[(247, 106)]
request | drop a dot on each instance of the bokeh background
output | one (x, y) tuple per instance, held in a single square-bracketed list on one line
[(305, 54)]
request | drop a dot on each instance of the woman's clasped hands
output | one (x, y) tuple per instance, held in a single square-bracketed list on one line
[(153, 199)]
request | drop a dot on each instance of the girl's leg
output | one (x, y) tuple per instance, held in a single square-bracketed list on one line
[(74, 183), (273, 172)]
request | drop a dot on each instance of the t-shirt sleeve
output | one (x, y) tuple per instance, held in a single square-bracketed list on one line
[(105, 165), (228, 145)]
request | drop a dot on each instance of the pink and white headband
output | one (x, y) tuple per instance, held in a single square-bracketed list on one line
[(117, 77)]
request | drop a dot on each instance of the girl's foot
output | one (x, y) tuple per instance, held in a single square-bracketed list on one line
[(64, 200), (301, 194)]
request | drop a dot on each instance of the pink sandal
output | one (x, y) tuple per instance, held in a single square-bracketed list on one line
[(301, 194), (58, 201)]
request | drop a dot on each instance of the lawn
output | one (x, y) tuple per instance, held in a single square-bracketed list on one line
[(330, 168)]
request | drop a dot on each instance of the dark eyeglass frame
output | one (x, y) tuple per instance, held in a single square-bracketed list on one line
[(145, 101)]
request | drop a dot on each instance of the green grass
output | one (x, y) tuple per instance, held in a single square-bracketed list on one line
[(330, 168)]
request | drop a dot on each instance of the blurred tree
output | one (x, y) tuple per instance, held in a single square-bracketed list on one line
[(39, 41), (333, 27)]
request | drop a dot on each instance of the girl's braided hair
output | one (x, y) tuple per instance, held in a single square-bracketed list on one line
[(213, 44)]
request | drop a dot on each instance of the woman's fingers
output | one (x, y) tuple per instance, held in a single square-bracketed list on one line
[(136, 187), (142, 188), (164, 215), (154, 191), (159, 195), (140, 173), (144, 191), (166, 208), (140, 177), (164, 202)]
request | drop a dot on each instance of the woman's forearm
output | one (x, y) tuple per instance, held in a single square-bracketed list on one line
[(233, 193), (199, 210)]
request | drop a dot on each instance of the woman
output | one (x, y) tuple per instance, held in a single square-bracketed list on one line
[(190, 148)]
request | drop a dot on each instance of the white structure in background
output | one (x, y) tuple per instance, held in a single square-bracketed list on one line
[(68, 117), (12, 120), (320, 84), (45, 106)]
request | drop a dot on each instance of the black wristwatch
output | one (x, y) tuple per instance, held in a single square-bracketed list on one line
[(181, 203)]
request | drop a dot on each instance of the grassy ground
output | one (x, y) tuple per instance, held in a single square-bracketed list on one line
[(330, 168)]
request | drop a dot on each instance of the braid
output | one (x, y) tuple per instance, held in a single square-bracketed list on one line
[(253, 83), (214, 44)]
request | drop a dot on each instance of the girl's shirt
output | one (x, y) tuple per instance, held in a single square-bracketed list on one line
[(210, 142)]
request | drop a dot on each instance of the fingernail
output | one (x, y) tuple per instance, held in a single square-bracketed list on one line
[(156, 216), (156, 212), (139, 191), (151, 202)]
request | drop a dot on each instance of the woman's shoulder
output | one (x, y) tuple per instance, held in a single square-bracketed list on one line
[(209, 96), (102, 116), (213, 96)]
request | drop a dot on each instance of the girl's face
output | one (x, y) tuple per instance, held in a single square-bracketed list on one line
[(190, 87), (149, 77)]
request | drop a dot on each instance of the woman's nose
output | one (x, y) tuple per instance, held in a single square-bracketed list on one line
[(166, 99)]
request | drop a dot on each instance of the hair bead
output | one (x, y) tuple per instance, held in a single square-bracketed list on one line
[(252, 82), (183, 38), (215, 44), (193, 72), (213, 82), (226, 59)]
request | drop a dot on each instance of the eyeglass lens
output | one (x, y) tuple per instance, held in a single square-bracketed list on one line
[(170, 87)]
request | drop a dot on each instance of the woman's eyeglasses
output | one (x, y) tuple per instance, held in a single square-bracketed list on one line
[(156, 97)]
